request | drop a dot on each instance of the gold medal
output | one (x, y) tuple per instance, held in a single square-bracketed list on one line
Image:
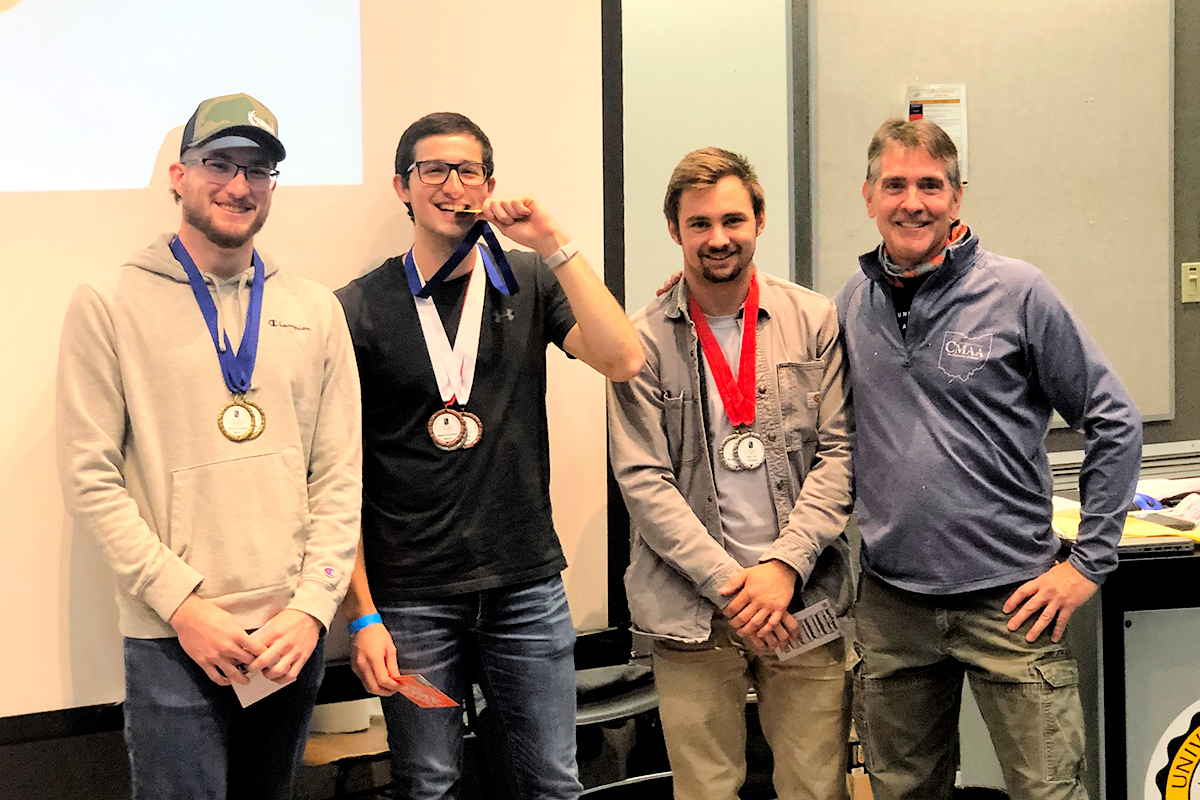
[(236, 420), (446, 429), (472, 430), (260, 419)]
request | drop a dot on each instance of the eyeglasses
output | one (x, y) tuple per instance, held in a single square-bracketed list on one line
[(435, 173), (220, 171)]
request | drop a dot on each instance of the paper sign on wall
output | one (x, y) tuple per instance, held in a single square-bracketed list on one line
[(946, 105)]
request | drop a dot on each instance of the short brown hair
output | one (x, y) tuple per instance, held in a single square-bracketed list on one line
[(440, 123), (706, 166), (910, 134)]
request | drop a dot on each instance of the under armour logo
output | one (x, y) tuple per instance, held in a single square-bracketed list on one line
[(500, 316)]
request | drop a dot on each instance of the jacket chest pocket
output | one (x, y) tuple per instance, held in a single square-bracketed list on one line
[(799, 400), (681, 420)]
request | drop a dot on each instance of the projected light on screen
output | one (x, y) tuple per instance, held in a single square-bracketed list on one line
[(90, 91)]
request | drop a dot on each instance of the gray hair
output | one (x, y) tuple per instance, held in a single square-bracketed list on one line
[(911, 134)]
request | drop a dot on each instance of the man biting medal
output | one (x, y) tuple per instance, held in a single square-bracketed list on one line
[(460, 560)]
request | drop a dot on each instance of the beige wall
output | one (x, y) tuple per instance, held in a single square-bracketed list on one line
[(1070, 125), (528, 72), (700, 73)]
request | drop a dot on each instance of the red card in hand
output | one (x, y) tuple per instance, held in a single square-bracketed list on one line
[(422, 692)]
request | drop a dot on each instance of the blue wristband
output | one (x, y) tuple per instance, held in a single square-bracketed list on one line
[(362, 622)]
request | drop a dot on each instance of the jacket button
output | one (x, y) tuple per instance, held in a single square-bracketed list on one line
[(762, 390), (816, 397), (780, 485), (770, 437)]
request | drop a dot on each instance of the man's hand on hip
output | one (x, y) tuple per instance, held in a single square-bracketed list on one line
[(760, 599), (373, 659), (1057, 592), (212, 638), (288, 638)]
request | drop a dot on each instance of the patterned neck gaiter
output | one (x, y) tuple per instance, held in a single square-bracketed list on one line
[(896, 274)]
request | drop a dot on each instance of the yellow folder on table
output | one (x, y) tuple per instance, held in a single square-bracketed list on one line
[(1066, 525)]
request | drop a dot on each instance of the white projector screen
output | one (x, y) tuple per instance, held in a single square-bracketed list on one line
[(95, 96), (93, 87)]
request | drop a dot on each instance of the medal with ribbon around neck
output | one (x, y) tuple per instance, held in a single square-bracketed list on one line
[(240, 420), (743, 449), (453, 428)]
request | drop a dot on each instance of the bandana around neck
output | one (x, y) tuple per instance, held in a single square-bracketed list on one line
[(896, 274)]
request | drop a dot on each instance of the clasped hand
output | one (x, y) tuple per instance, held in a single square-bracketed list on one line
[(213, 639), (758, 608)]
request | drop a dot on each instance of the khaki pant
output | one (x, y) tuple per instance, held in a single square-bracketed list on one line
[(915, 650), (802, 704)]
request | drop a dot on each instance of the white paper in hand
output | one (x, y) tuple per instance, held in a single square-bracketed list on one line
[(258, 688)]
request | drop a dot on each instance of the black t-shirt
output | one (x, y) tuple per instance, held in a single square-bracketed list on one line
[(902, 297), (439, 523)]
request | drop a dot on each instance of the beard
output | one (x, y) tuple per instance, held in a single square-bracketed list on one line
[(738, 269), (230, 240)]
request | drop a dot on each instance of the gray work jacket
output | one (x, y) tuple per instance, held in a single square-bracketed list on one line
[(658, 443)]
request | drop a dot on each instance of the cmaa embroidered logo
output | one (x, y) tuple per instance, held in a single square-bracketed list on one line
[(962, 355)]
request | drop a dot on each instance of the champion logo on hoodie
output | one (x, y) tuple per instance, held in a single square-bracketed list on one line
[(274, 323)]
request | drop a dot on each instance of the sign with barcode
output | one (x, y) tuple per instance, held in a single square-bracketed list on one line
[(818, 626)]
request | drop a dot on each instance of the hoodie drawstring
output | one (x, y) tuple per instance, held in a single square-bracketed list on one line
[(240, 300)]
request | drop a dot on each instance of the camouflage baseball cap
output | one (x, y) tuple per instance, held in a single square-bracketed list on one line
[(233, 115)]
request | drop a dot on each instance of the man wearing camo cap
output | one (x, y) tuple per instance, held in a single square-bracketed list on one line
[(209, 439)]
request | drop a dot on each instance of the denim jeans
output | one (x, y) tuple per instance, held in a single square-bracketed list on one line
[(915, 650), (190, 739), (518, 642)]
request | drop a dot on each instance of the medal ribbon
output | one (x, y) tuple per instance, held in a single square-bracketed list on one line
[(736, 395), (237, 368), (500, 272), (454, 367)]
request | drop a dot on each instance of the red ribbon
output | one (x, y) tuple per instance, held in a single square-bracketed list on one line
[(737, 396)]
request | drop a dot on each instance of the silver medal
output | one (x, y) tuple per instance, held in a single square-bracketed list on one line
[(750, 451), (729, 452)]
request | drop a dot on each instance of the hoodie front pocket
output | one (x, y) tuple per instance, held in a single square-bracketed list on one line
[(241, 523)]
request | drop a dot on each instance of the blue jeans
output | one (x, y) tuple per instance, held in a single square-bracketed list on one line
[(518, 641), (190, 739)]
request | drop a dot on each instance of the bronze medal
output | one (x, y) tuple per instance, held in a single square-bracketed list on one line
[(446, 429), (472, 430)]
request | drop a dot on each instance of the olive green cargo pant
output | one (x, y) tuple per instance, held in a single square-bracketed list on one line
[(915, 650)]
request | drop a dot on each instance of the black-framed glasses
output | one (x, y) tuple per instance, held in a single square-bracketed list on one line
[(221, 171), (435, 173)]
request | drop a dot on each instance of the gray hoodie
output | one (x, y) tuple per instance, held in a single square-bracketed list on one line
[(254, 526)]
